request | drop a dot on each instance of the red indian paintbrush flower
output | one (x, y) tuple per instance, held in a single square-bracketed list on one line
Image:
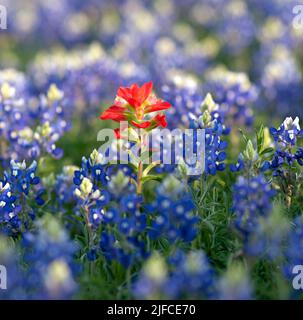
[(137, 105)]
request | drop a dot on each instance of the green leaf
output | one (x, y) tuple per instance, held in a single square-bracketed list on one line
[(245, 139), (149, 168), (145, 155), (260, 139), (208, 103), (134, 158), (249, 152), (151, 177), (267, 150)]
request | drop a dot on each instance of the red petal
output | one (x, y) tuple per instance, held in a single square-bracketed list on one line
[(129, 95), (117, 133), (114, 113), (124, 93), (160, 120), (142, 125), (145, 91), (135, 95), (134, 88), (160, 105)]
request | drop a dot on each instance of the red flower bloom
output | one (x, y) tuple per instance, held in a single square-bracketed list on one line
[(134, 103)]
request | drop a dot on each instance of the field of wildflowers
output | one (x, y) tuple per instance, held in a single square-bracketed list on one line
[(77, 221)]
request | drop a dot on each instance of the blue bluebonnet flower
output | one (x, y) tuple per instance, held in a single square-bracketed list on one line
[(234, 93), (293, 251), (15, 79), (140, 26), (287, 153), (235, 284), (268, 238), (123, 227), (64, 187), (153, 277), (123, 223), (21, 178), (251, 160), (30, 127), (15, 284), (15, 212), (246, 160), (44, 23), (237, 16), (281, 83), (262, 226), (90, 180), (49, 254), (13, 118), (234, 16), (252, 199), (215, 129), (273, 8), (191, 277), (178, 149), (111, 202), (54, 115), (277, 16), (7, 205), (44, 268), (185, 99), (286, 156), (73, 71), (239, 166), (171, 58), (215, 155), (126, 250), (171, 213), (59, 194), (287, 133)]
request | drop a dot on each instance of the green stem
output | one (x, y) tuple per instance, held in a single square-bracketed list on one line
[(289, 192), (139, 178), (140, 168), (128, 279), (89, 235)]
